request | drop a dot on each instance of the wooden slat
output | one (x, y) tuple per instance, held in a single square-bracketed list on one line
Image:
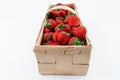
[(82, 58), (43, 58), (55, 51), (72, 52), (47, 68), (80, 69), (64, 64)]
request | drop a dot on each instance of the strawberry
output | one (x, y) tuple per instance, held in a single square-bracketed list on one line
[(71, 6), (67, 12), (50, 23), (80, 32), (63, 37), (51, 43), (62, 13), (54, 43), (47, 36), (59, 20), (42, 42), (55, 36), (59, 4), (52, 14), (47, 30), (48, 43), (75, 41), (73, 20), (63, 27)]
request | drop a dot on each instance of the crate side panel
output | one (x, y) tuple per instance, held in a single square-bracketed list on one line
[(64, 64), (55, 51), (72, 52), (82, 58), (43, 58), (80, 69), (47, 68)]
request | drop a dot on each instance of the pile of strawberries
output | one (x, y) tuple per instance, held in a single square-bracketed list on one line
[(63, 28)]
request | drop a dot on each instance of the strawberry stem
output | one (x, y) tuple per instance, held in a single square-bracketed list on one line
[(49, 15), (47, 24), (77, 42), (61, 26)]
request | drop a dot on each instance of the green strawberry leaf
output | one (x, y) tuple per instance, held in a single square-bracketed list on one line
[(49, 37), (73, 43), (61, 26), (80, 43), (49, 15), (75, 14), (66, 16), (47, 24), (77, 42), (45, 44)]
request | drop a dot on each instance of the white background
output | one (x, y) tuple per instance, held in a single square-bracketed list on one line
[(20, 22)]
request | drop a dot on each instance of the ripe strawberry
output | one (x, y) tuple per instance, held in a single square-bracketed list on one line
[(75, 41), (51, 43), (54, 14), (59, 4), (73, 20), (62, 13), (67, 12), (63, 37), (55, 36), (63, 27), (42, 42), (54, 43), (47, 36), (50, 23), (59, 20), (48, 43), (71, 6), (47, 30), (80, 32)]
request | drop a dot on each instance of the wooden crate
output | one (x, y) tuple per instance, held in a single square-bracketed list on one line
[(62, 59)]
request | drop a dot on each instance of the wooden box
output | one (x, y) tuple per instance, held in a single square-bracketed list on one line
[(62, 59)]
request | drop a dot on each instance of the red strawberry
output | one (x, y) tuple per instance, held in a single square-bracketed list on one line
[(54, 43), (62, 13), (51, 43), (73, 29), (63, 27), (67, 12), (63, 37), (42, 42), (59, 20), (75, 41), (55, 36), (48, 43), (80, 32), (59, 4), (50, 23), (71, 6), (73, 20), (54, 14), (47, 36), (47, 30)]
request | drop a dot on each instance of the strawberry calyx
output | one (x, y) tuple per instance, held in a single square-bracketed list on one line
[(77, 42), (49, 15), (48, 24), (61, 26), (49, 37)]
